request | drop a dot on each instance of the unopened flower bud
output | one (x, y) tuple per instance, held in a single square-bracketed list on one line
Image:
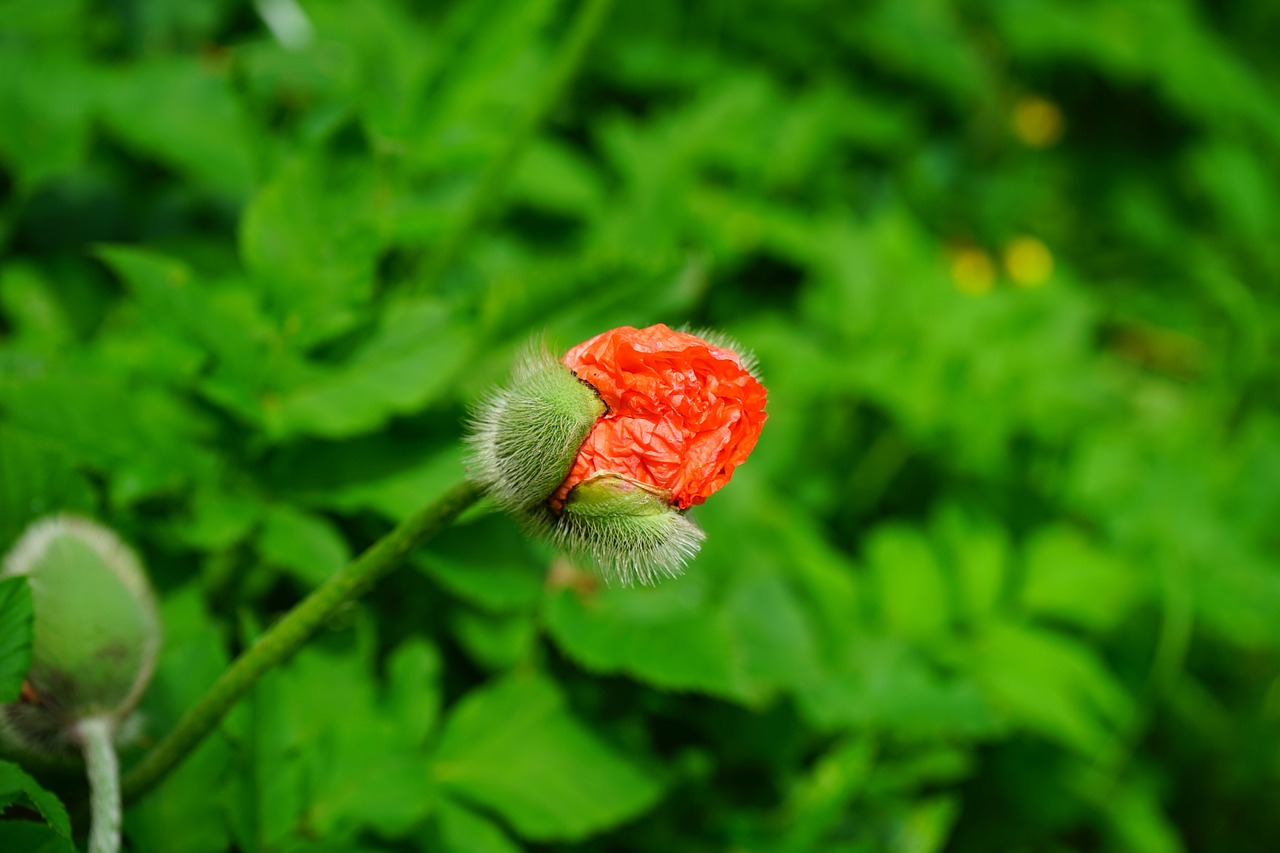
[(675, 414), (96, 631)]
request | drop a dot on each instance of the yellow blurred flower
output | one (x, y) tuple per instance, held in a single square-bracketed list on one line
[(1037, 121), (1028, 262), (972, 271)]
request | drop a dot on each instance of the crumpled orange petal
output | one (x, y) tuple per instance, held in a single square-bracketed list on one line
[(682, 412)]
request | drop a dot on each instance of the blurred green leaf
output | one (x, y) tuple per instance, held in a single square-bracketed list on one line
[(47, 105), (148, 438), (488, 562), (187, 813), (514, 748), (1052, 684), (184, 113), (18, 787), (33, 838), (310, 239), (306, 545), (913, 596), (16, 618), (497, 642), (324, 748), (35, 480), (464, 831), (1071, 578), (414, 355)]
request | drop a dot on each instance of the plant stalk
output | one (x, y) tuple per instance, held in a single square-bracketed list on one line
[(287, 635), (95, 735)]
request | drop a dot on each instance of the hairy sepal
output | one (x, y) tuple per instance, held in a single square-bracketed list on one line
[(525, 435), (627, 530)]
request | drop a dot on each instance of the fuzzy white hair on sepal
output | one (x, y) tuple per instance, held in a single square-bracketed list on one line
[(627, 530), (524, 436)]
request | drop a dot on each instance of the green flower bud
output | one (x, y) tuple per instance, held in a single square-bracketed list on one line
[(525, 435), (96, 632), (627, 529)]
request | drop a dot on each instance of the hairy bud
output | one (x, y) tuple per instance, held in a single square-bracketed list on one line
[(606, 450)]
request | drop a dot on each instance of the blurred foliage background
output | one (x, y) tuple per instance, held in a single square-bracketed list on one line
[(1001, 574)]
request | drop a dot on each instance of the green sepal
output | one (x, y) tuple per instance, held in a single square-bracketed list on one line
[(524, 436), (626, 529)]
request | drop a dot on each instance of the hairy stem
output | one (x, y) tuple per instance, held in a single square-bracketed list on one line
[(587, 21), (103, 769), (289, 634)]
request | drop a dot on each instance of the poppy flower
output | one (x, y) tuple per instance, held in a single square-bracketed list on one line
[(682, 412), (604, 450)]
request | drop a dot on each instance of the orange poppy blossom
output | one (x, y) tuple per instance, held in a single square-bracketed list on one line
[(682, 412), (605, 449)]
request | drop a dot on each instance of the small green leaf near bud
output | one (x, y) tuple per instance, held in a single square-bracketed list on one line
[(96, 630), (525, 435), (629, 530)]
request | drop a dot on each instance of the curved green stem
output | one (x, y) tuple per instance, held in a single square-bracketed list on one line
[(587, 20), (103, 770), (289, 634)]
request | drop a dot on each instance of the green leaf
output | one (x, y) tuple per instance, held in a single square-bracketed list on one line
[(182, 112), (145, 436), (383, 473), (734, 625), (324, 749), (186, 814), (30, 301), (412, 693), (32, 838), (489, 563), (309, 546), (218, 520), (1052, 684), (497, 642), (1070, 578), (979, 553), (512, 747), (929, 824), (551, 175), (47, 111), (413, 356), (913, 596), (683, 635), (16, 786), (670, 636), (887, 684), (224, 318), (464, 831), (35, 480), (16, 620), (310, 239)]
